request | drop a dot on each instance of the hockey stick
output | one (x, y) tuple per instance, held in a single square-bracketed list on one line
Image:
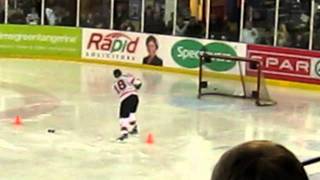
[(311, 161)]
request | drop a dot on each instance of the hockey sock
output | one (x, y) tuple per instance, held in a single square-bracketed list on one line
[(124, 130), (124, 124), (133, 121)]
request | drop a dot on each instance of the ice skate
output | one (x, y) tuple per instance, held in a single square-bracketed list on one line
[(134, 131), (122, 138)]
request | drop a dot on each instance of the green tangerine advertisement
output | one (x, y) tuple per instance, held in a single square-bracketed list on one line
[(44, 41)]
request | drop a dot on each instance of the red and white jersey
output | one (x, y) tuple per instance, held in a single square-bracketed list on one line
[(125, 86)]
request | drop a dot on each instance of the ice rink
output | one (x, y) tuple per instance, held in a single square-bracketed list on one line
[(190, 134)]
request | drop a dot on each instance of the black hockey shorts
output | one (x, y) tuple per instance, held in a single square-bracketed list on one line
[(128, 106)]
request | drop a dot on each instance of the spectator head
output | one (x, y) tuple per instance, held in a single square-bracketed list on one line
[(157, 16), (193, 20), (259, 160), (180, 21), (213, 17), (97, 14), (50, 3), (66, 13), (172, 15), (90, 15), (152, 45), (127, 26), (33, 10), (248, 25), (299, 37), (283, 27), (83, 16), (120, 8), (19, 11), (149, 11)]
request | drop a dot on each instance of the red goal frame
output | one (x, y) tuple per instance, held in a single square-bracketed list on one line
[(256, 64)]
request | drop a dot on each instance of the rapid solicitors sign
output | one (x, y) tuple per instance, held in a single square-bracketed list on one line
[(113, 42), (287, 64), (175, 52), (104, 44)]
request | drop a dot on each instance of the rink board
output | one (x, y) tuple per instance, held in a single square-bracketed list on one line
[(178, 54)]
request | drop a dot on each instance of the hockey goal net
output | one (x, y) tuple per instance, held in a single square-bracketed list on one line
[(238, 84)]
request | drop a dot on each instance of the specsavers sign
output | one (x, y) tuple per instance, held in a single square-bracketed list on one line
[(186, 53)]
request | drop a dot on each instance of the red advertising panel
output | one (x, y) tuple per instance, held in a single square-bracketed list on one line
[(287, 64)]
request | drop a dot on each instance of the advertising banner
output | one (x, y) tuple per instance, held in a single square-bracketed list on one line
[(111, 45), (287, 64), (158, 50), (19, 40), (185, 53)]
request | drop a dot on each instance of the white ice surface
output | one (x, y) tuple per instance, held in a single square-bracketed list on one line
[(190, 135)]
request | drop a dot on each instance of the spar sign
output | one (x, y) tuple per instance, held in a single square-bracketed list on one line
[(109, 45), (186, 53), (287, 64)]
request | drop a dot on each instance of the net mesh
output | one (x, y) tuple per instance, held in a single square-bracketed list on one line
[(238, 84)]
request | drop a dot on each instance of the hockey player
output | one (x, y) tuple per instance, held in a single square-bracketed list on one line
[(126, 87)]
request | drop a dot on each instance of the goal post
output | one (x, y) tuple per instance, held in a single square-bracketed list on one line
[(239, 84)]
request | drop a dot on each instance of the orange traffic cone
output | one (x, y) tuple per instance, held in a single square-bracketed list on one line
[(17, 121), (150, 139)]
